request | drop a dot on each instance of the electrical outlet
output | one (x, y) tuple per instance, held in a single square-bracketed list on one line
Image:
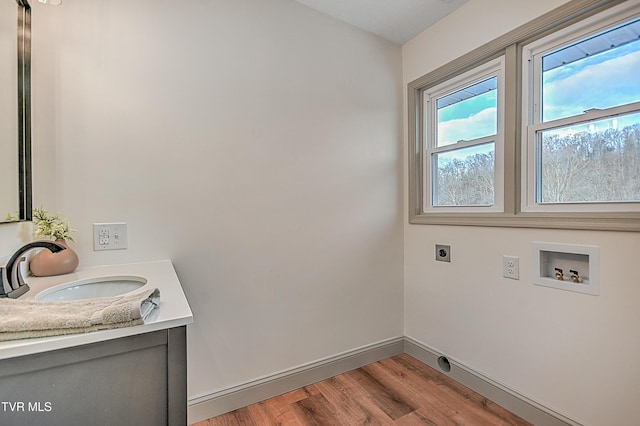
[(511, 267), (443, 253), (110, 236)]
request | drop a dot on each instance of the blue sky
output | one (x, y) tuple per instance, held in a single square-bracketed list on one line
[(568, 90), (573, 88), (470, 119)]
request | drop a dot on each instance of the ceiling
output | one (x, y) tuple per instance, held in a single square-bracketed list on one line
[(395, 20)]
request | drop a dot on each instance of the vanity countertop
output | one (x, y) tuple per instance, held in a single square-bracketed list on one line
[(173, 311)]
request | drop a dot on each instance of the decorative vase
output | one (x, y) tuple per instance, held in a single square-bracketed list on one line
[(45, 263)]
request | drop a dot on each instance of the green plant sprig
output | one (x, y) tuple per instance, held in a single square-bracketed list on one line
[(51, 226)]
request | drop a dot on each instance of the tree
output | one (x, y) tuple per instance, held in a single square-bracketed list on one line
[(466, 182)]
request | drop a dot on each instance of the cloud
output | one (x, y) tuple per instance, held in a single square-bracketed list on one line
[(574, 93), (475, 126)]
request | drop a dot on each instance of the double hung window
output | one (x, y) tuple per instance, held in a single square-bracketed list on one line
[(539, 128), (582, 137), (463, 141)]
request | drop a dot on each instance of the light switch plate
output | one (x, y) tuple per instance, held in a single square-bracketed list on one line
[(110, 236)]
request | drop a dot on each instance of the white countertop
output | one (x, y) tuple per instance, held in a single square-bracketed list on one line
[(173, 310)]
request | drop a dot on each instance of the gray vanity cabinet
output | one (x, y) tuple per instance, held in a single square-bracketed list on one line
[(136, 380)]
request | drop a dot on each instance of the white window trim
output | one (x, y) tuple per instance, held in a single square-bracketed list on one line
[(494, 68), (531, 92)]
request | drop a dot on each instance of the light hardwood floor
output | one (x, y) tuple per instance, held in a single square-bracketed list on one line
[(395, 391)]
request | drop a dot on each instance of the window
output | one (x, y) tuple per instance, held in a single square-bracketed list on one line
[(462, 139), (583, 135), (539, 128)]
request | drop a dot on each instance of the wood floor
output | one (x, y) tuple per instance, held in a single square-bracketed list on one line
[(395, 391)]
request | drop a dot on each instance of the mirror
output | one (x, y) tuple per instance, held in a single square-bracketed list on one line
[(15, 110)]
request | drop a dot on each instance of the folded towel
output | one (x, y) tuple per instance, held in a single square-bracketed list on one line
[(26, 319)]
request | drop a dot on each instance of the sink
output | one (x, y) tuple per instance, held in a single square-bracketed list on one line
[(92, 287)]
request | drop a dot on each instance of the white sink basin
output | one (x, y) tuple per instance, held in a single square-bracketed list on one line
[(92, 287)]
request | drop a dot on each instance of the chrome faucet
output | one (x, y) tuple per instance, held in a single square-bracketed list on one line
[(12, 268)]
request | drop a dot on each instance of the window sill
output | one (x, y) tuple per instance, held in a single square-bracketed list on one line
[(628, 222)]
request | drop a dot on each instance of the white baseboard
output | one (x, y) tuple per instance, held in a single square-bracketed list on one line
[(229, 399), (235, 397), (502, 395)]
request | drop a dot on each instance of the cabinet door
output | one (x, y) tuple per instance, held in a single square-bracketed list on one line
[(117, 382)]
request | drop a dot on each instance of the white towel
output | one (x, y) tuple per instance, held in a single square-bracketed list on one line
[(26, 319)]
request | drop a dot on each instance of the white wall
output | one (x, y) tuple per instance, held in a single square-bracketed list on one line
[(574, 353), (254, 143)]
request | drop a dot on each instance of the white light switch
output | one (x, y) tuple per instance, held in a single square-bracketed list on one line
[(110, 236)]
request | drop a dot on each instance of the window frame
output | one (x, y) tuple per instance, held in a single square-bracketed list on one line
[(510, 46), (532, 94), (429, 135)]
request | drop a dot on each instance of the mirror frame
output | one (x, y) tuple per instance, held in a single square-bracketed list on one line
[(24, 111)]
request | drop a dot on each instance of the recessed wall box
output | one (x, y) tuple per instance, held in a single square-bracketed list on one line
[(443, 253), (567, 267)]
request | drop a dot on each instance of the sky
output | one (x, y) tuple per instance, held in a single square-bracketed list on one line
[(568, 90), (573, 88), (470, 119)]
